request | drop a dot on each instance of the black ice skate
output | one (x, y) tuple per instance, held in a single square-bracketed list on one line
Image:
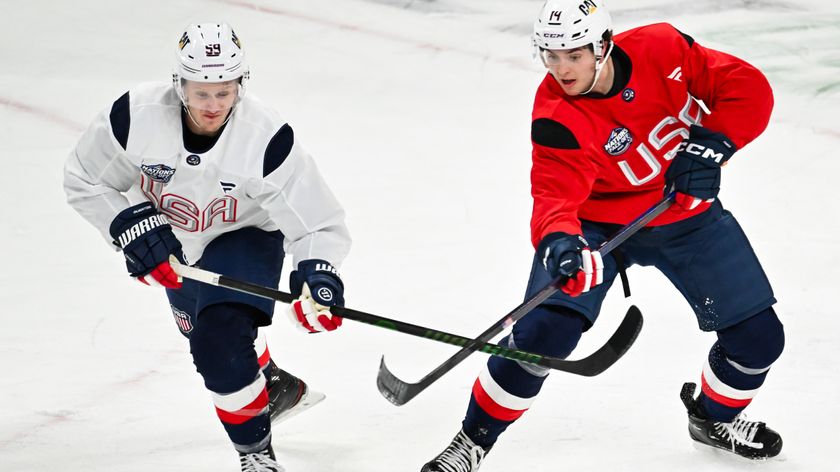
[(263, 461), (462, 455), (287, 394), (750, 439)]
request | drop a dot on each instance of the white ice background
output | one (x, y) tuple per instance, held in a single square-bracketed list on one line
[(418, 115)]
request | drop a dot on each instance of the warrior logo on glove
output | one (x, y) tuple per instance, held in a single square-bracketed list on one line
[(325, 294), (147, 241)]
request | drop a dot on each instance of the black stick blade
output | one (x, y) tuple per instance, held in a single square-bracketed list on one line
[(602, 359), (627, 332), (400, 392), (392, 388)]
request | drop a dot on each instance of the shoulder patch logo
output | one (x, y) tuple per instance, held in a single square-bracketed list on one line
[(676, 75), (619, 142), (158, 172)]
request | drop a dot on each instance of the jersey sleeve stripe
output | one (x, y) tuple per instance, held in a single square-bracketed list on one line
[(278, 149), (549, 133), (120, 117)]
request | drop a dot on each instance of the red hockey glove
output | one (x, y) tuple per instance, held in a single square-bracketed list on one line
[(569, 256)]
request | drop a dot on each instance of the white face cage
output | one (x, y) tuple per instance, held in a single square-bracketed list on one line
[(209, 53)]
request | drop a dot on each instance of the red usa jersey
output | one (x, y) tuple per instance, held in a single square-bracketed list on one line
[(603, 157)]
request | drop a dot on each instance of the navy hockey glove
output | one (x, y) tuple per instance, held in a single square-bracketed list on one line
[(147, 241), (569, 256), (695, 170), (316, 286)]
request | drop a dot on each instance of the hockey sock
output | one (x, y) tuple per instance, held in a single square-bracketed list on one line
[(738, 364), (505, 389), (261, 348), (223, 352)]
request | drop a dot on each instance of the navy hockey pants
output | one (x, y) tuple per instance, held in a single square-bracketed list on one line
[(221, 325), (708, 259)]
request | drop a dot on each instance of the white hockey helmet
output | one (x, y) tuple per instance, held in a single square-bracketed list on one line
[(570, 24), (209, 52)]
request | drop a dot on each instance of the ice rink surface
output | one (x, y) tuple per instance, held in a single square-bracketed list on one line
[(418, 114)]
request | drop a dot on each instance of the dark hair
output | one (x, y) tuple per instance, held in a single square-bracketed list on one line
[(606, 37)]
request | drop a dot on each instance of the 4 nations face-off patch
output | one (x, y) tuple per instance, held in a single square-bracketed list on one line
[(619, 142), (158, 172)]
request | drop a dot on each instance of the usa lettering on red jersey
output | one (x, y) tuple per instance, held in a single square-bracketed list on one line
[(603, 158)]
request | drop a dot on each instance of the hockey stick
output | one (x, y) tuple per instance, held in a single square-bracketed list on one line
[(587, 366), (399, 392)]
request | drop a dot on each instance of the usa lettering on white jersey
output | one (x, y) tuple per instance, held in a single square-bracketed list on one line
[(203, 196)]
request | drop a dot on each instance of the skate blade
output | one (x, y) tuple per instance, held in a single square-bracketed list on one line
[(727, 455), (309, 399)]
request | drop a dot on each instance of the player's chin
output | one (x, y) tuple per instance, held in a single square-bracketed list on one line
[(212, 125)]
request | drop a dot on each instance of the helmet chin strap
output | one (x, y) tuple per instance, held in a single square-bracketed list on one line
[(599, 66), (187, 109)]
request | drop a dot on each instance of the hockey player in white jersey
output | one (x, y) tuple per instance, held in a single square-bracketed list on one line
[(199, 169)]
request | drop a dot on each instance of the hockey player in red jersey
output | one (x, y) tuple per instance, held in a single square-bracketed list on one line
[(197, 169), (618, 122)]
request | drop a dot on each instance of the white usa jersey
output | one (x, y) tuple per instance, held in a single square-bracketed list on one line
[(256, 174)]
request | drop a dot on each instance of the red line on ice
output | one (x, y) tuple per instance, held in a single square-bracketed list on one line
[(41, 113)]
